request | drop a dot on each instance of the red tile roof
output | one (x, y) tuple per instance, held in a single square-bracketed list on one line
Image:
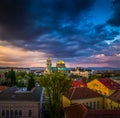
[(80, 111), (75, 111), (103, 114), (2, 88), (81, 93), (109, 83), (115, 96), (78, 83)]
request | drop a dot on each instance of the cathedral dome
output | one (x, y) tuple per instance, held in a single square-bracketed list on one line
[(60, 62), (48, 58)]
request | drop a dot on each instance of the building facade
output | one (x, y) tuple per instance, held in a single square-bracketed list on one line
[(19, 109), (81, 72), (104, 86), (16, 104), (84, 96), (113, 101)]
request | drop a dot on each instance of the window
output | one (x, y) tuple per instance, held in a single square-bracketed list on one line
[(106, 104), (111, 106), (105, 94), (11, 112), (7, 113), (16, 112), (94, 105), (90, 104), (3, 113), (20, 113), (98, 105), (30, 113), (87, 104)]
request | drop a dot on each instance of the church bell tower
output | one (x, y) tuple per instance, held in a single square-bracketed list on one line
[(48, 65)]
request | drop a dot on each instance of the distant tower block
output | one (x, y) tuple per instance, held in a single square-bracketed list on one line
[(48, 65)]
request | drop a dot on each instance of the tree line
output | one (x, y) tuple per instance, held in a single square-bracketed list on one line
[(19, 79)]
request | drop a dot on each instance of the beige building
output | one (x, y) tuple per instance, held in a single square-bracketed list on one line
[(15, 104), (82, 73), (16, 69)]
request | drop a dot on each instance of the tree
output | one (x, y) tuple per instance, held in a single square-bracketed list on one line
[(21, 73), (55, 85), (11, 78), (94, 76), (31, 84), (20, 82)]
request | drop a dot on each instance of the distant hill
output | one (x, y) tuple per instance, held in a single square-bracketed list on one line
[(103, 68), (37, 68), (91, 68)]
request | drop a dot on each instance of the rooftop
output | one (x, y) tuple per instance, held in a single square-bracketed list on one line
[(12, 94), (78, 83), (109, 83), (60, 62), (75, 111), (81, 93), (11, 89), (54, 68), (3, 88), (115, 96), (22, 96), (103, 114), (80, 111)]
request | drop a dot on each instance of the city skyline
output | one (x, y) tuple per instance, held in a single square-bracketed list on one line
[(83, 33)]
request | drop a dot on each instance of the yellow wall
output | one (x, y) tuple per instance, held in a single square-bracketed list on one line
[(109, 104), (88, 102), (100, 88), (66, 101)]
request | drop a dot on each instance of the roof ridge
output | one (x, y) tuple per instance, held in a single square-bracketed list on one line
[(72, 93)]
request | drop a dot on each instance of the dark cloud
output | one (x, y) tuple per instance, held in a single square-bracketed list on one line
[(60, 28), (33, 24), (115, 18), (27, 19), (114, 63), (13, 14)]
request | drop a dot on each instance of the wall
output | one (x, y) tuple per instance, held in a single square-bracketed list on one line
[(100, 88), (66, 101), (109, 104), (20, 105), (94, 103)]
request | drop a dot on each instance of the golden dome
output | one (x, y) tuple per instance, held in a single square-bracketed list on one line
[(48, 58), (60, 62)]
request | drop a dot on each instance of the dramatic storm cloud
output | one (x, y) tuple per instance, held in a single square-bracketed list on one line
[(81, 32)]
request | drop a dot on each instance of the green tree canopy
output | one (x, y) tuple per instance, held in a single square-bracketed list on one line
[(11, 78), (55, 85), (31, 84)]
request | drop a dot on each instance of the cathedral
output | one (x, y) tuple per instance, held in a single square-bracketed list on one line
[(60, 66)]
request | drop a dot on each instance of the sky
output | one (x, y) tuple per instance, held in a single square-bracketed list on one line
[(82, 33)]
